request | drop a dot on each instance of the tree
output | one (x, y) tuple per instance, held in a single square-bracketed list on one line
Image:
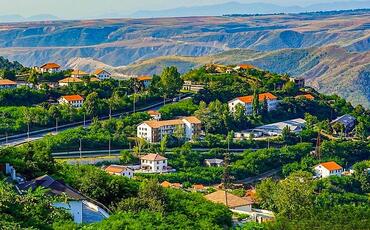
[(255, 104), (8, 74), (360, 131), (264, 109), (163, 144), (170, 82), (33, 78), (91, 104)]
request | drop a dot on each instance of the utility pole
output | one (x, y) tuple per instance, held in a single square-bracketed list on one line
[(80, 148), (109, 147), (28, 131), (56, 125), (318, 143), (268, 142), (226, 176), (84, 120)]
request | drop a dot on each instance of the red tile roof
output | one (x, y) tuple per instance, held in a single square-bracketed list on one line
[(166, 184), (79, 73), (247, 66), (307, 96), (144, 78), (261, 97), (73, 98), (153, 157), (50, 66), (198, 187), (233, 201), (331, 166), (115, 168), (70, 80), (7, 82), (153, 112), (99, 71)]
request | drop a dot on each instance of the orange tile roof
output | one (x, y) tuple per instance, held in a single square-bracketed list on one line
[(166, 184), (153, 112), (70, 80), (307, 96), (233, 201), (94, 79), (153, 157), (115, 168), (50, 66), (331, 166), (198, 187), (79, 72), (99, 71), (158, 124), (73, 98), (247, 66), (261, 97), (193, 120), (7, 82), (144, 78), (176, 185)]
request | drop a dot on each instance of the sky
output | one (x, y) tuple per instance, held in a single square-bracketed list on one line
[(74, 9)]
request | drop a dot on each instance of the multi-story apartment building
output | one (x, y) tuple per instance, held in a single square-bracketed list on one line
[(153, 131), (247, 101)]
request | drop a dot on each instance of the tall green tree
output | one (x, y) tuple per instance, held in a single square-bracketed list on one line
[(170, 82)]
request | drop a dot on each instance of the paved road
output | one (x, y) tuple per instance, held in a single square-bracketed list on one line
[(250, 180), (115, 152), (35, 135)]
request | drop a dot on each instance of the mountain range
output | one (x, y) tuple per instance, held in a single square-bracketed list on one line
[(330, 49)]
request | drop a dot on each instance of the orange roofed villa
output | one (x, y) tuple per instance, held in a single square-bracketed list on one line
[(76, 101), (247, 101), (153, 131), (101, 74), (146, 80), (7, 84), (49, 68)]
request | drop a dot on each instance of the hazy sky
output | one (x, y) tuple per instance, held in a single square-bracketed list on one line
[(95, 8)]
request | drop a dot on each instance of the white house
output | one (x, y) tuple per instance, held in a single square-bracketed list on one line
[(101, 74), (76, 101), (146, 80), (276, 129), (78, 73), (155, 115), (49, 68), (83, 209), (7, 84), (120, 170), (69, 80), (154, 163), (246, 102), (327, 169), (153, 131), (214, 162), (233, 202)]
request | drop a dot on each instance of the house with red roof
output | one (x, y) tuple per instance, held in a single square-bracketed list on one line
[(101, 74), (246, 102), (7, 84), (50, 68), (120, 170), (145, 80), (327, 169), (76, 101)]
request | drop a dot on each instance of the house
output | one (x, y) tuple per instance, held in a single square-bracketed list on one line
[(328, 169), (192, 86), (166, 184), (7, 84), (198, 187), (154, 163), (214, 162), (101, 74), (120, 170), (94, 79), (69, 80), (78, 74), (155, 115), (83, 209), (276, 129), (145, 80), (246, 102), (233, 202), (153, 131), (298, 81), (76, 101), (305, 96), (347, 121), (49, 68)]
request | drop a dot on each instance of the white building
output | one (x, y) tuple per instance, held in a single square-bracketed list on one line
[(102, 74), (276, 129), (7, 84), (83, 209), (154, 163), (76, 101), (78, 73), (153, 131), (50, 68), (327, 169), (214, 162), (120, 170), (246, 102), (155, 115)]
